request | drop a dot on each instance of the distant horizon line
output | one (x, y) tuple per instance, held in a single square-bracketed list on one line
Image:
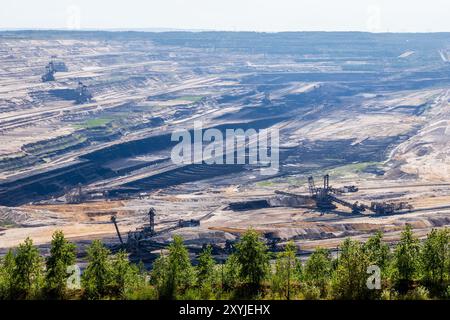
[(162, 30)]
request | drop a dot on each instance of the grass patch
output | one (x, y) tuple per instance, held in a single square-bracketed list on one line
[(189, 98), (6, 223), (265, 183), (92, 123), (353, 168)]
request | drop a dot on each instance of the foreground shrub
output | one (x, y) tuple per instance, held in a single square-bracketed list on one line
[(62, 255), (98, 276), (318, 270), (173, 273)]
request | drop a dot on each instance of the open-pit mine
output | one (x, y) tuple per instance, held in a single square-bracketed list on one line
[(86, 120)]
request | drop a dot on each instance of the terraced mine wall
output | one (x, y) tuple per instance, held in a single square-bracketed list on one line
[(35, 153), (335, 45), (55, 182), (92, 168), (162, 142), (189, 173), (320, 155)]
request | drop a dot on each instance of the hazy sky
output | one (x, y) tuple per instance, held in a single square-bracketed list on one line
[(255, 15)]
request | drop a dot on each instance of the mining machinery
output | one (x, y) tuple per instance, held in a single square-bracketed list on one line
[(348, 189), (188, 223), (145, 232), (290, 194), (389, 207), (151, 227), (76, 195), (49, 74), (60, 66), (135, 237), (325, 199), (114, 220), (83, 94), (266, 99)]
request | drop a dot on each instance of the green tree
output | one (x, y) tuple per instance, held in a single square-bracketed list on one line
[(406, 259), (377, 251), (298, 271), (7, 266), (62, 255), (206, 273), (98, 276), (318, 269), (230, 273), (125, 275), (173, 274), (159, 276), (206, 266), (434, 257), (285, 268), (350, 277), (27, 274), (253, 259)]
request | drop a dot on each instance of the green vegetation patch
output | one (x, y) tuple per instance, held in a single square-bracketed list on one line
[(92, 123), (189, 98), (353, 168), (265, 183), (7, 223), (412, 269)]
